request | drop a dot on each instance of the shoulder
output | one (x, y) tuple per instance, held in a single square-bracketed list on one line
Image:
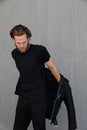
[(14, 52), (37, 46), (43, 52), (43, 48)]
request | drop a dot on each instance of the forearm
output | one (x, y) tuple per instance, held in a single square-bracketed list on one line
[(55, 73), (51, 66)]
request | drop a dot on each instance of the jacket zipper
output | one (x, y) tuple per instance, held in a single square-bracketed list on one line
[(54, 107)]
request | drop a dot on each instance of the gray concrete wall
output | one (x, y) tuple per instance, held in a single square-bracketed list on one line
[(60, 25)]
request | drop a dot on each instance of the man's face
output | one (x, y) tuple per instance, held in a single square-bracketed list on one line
[(21, 43)]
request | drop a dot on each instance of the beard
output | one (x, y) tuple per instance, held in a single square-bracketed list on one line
[(23, 49)]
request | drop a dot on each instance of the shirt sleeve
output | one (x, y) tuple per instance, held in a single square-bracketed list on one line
[(45, 54), (13, 54)]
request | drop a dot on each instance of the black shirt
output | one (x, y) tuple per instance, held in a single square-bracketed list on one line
[(32, 75)]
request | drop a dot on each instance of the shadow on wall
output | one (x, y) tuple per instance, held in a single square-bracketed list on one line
[(2, 1), (2, 127), (84, 0)]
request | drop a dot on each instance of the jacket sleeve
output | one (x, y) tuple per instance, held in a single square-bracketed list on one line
[(69, 103), (58, 93)]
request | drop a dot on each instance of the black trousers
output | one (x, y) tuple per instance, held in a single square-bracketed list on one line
[(27, 111)]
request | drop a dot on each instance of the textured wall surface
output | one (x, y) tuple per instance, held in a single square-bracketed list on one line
[(60, 25)]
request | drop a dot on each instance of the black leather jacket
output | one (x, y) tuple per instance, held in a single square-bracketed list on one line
[(57, 93)]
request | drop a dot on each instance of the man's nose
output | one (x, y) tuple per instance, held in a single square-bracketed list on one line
[(21, 45)]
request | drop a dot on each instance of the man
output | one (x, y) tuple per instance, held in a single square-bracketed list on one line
[(30, 60)]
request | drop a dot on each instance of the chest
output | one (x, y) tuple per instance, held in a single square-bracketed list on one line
[(29, 60)]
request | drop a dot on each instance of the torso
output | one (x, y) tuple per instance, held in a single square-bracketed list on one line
[(31, 68)]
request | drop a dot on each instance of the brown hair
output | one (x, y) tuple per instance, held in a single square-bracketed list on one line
[(19, 30)]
